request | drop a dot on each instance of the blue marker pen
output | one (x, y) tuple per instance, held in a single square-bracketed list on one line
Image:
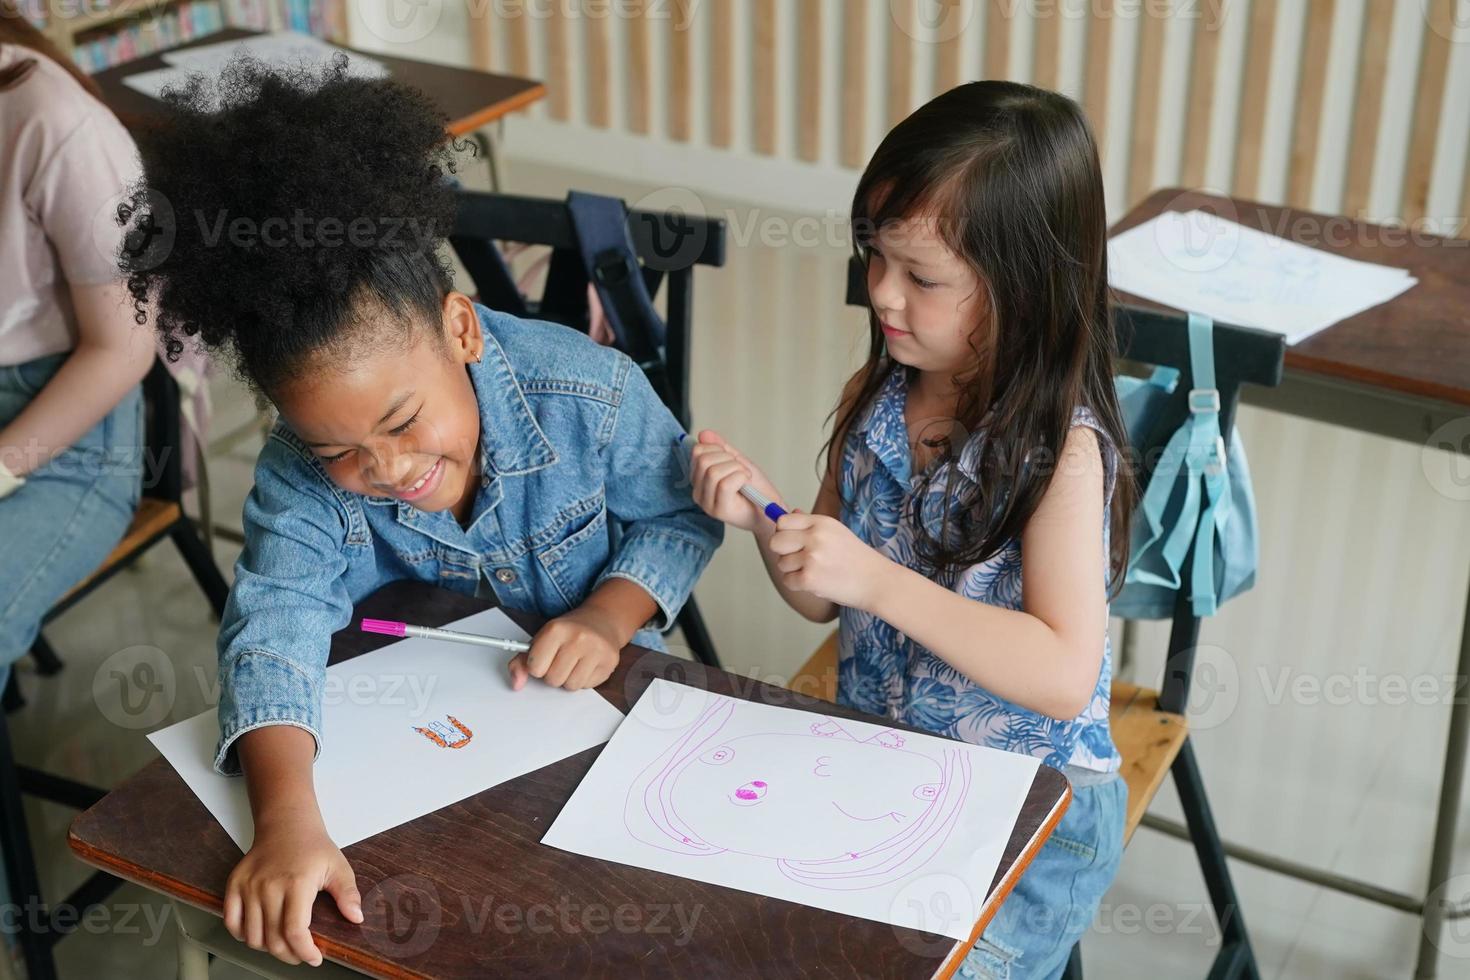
[(767, 506)]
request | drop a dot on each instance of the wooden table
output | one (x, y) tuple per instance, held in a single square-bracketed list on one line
[(469, 97), (1402, 370), (450, 872)]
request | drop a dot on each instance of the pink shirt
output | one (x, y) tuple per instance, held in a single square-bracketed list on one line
[(65, 162)]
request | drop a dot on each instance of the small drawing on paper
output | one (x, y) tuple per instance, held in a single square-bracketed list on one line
[(454, 735), (832, 810)]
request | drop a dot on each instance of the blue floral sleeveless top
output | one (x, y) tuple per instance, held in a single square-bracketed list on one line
[(882, 671)]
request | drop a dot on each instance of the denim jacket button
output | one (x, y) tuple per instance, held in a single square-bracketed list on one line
[(505, 575)]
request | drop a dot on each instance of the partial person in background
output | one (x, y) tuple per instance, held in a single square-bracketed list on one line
[(71, 352)]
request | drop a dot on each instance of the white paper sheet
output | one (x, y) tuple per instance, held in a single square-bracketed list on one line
[(839, 815), (384, 717), (281, 48), (152, 83), (1203, 263)]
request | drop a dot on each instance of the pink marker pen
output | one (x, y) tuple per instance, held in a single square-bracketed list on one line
[(389, 627)]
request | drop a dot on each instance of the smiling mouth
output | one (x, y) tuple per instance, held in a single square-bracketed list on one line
[(882, 816), (421, 484)]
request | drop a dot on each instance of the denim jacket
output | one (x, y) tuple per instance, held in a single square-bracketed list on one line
[(579, 486)]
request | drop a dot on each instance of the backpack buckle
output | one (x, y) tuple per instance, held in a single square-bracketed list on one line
[(610, 267), (1218, 464), (1204, 400)]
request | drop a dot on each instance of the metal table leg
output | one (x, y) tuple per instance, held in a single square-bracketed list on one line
[(193, 958), (1445, 824)]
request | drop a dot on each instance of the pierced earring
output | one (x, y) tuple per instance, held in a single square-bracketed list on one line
[(477, 357)]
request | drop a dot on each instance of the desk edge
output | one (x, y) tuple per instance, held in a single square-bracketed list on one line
[(988, 910), (499, 110)]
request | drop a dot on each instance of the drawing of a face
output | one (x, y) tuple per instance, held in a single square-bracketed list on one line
[(821, 798), (833, 810)]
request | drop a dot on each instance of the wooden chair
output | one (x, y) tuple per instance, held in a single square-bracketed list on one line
[(1149, 727), (160, 514), (669, 245)]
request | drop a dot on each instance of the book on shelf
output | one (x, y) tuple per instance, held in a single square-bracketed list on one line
[(138, 31)]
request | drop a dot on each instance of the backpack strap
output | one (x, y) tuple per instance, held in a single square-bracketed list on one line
[(601, 227), (1195, 452), (1206, 462)]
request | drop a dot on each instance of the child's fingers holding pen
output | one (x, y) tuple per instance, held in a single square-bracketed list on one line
[(519, 672), (792, 533), (793, 562)]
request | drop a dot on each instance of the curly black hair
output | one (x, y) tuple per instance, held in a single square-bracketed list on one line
[(284, 214)]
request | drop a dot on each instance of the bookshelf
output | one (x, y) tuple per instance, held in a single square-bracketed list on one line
[(99, 34)]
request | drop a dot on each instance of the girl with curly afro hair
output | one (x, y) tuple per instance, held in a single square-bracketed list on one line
[(291, 220)]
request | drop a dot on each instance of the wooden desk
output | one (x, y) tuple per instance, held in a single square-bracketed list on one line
[(448, 874), (1402, 370), (470, 98)]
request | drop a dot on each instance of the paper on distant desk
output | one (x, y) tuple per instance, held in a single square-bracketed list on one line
[(281, 49), (839, 815), (1202, 263), (407, 729)]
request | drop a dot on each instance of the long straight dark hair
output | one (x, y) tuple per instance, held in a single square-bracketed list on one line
[(1010, 173)]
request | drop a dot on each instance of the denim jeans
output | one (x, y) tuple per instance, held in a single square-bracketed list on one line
[(1053, 904), (71, 512)]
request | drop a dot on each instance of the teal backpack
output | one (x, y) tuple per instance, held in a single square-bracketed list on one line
[(1199, 493)]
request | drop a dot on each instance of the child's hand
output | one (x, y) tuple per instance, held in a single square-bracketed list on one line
[(573, 651), (718, 472), (269, 895), (821, 556)]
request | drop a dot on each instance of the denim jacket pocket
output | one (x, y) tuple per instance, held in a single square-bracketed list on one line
[(579, 551)]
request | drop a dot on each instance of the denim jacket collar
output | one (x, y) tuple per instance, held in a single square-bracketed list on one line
[(511, 443)]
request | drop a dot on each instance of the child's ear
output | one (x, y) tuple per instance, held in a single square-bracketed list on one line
[(462, 333)]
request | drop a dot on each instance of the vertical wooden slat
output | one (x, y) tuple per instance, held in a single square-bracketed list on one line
[(998, 37), (1045, 66), (640, 94), (558, 67), (1307, 124), (900, 59), (763, 84), (598, 83), (1095, 78), (854, 73), (680, 87), (809, 80), (1367, 107), (518, 32), (1251, 117), (721, 72), (1428, 102), (482, 37), (947, 55), (1205, 56), (1148, 68)]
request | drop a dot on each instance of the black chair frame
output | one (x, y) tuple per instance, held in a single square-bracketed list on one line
[(669, 245)]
